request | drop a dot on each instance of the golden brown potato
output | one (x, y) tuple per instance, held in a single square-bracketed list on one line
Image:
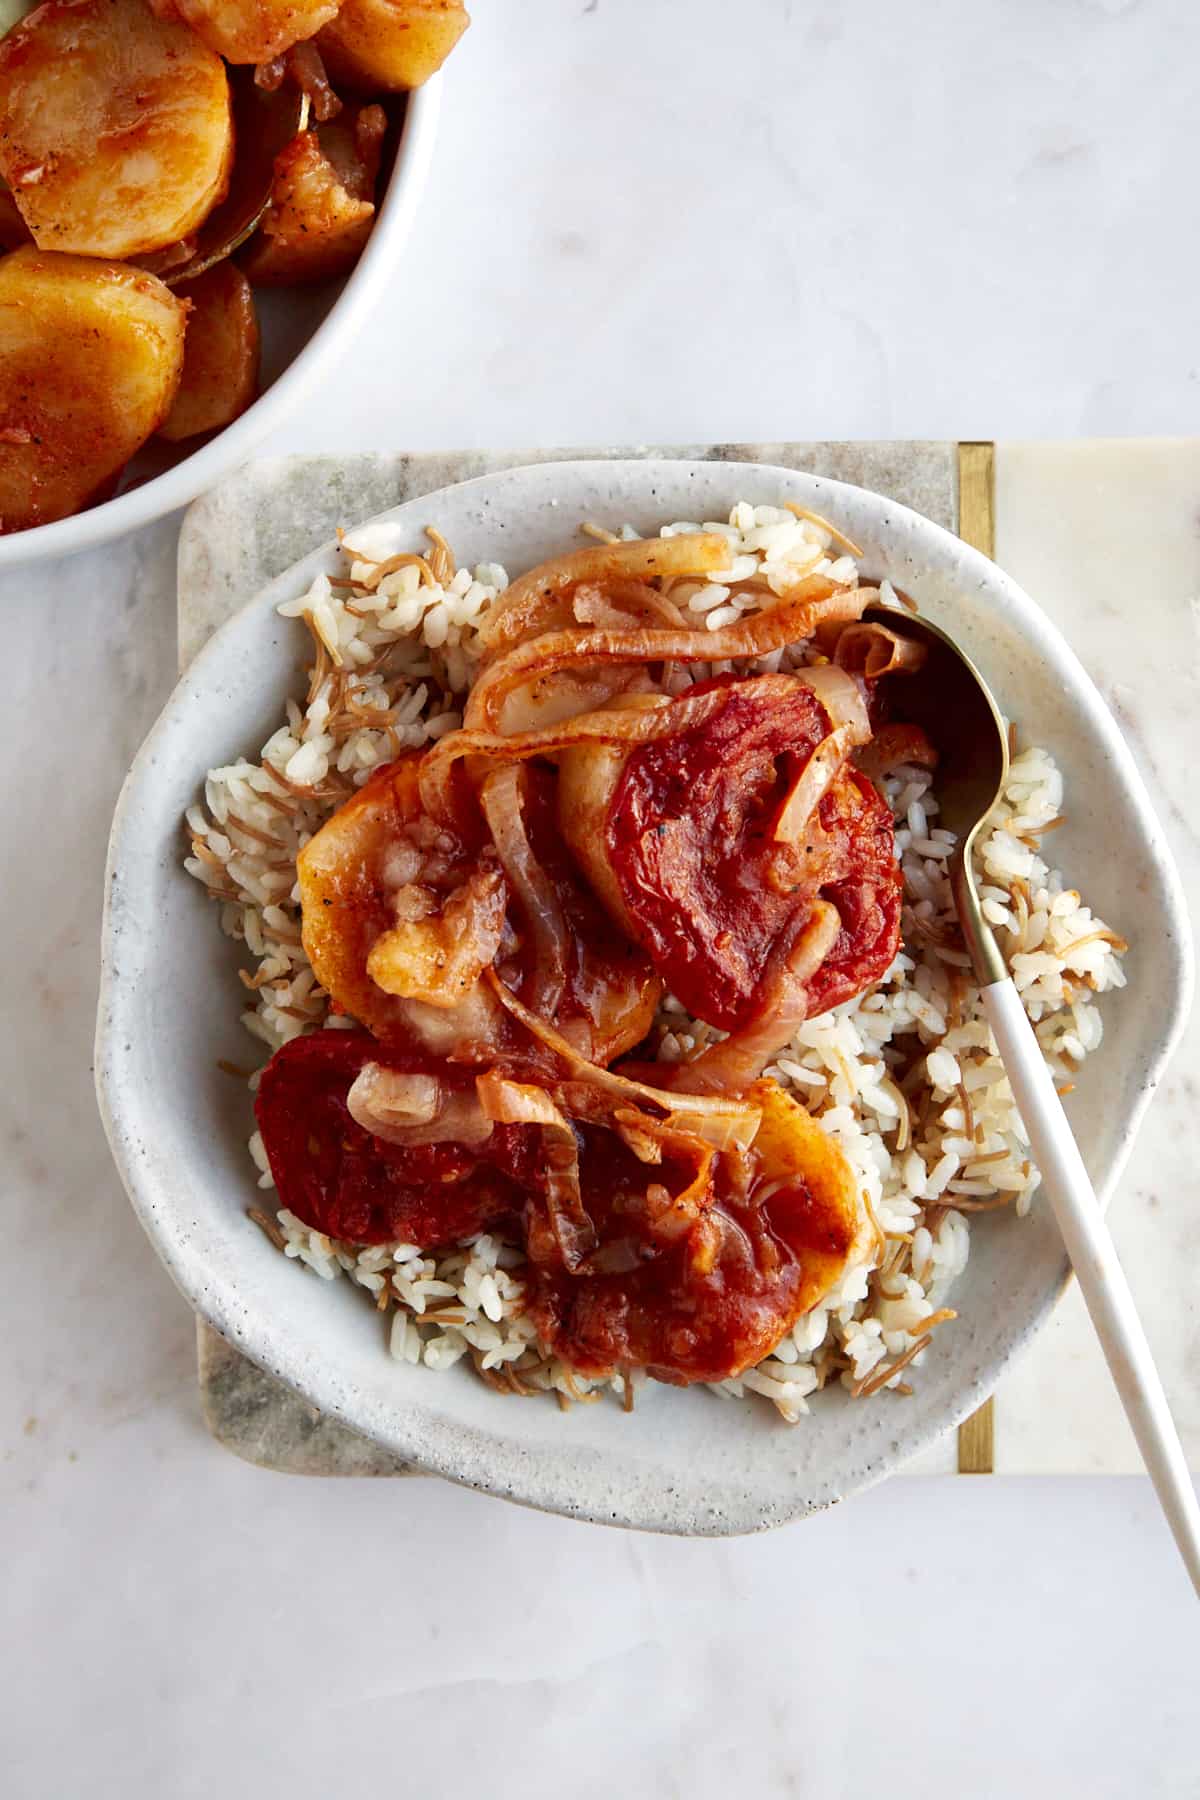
[(220, 353), (321, 210), (90, 357), (391, 44), (253, 31), (115, 127)]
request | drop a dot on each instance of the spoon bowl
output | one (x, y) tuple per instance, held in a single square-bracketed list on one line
[(951, 702)]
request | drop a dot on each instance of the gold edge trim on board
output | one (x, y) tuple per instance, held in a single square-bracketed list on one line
[(977, 496), (977, 527)]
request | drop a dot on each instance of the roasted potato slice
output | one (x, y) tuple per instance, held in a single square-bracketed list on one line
[(90, 358), (253, 31), (220, 353), (13, 230), (391, 44), (115, 127), (321, 210)]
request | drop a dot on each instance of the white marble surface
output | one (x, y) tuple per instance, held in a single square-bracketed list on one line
[(933, 223)]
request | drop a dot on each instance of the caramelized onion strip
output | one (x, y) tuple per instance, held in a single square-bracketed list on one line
[(511, 1102), (680, 1108), (739, 1059), (614, 603), (668, 1215), (410, 1109), (615, 726), (692, 553), (873, 650), (810, 787), (502, 798), (789, 621), (842, 699)]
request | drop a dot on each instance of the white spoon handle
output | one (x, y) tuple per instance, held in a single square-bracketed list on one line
[(1100, 1275)]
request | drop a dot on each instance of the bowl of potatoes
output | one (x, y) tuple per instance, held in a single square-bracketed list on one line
[(199, 202)]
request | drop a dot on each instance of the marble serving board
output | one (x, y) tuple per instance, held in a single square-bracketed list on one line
[(1065, 519)]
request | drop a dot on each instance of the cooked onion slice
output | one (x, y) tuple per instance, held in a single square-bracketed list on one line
[(511, 1102), (789, 621), (502, 797), (873, 650), (841, 697), (700, 553), (613, 603), (410, 1109), (732, 1110), (810, 787), (739, 1059), (616, 726), (382, 1099)]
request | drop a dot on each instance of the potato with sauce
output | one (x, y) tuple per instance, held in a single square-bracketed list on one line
[(253, 31), (220, 353), (116, 135), (90, 359), (391, 45), (322, 202)]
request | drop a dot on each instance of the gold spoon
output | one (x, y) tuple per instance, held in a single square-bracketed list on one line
[(950, 700)]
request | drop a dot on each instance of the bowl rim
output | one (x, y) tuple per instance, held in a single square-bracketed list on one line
[(175, 486), (257, 1337)]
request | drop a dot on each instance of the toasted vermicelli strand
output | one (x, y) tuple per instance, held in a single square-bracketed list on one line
[(815, 518)]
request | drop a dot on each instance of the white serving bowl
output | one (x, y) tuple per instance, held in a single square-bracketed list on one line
[(685, 1461), (305, 331)]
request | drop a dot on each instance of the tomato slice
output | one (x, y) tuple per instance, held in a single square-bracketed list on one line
[(776, 1231), (707, 890), (340, 1178), (698, 1261)]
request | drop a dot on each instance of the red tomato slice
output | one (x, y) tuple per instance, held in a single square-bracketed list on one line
[(776, 1232), (698, 1261), (690, 840), (343, 1180)]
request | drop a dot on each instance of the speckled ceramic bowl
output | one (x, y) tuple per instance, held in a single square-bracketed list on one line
[(684, 1461)]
